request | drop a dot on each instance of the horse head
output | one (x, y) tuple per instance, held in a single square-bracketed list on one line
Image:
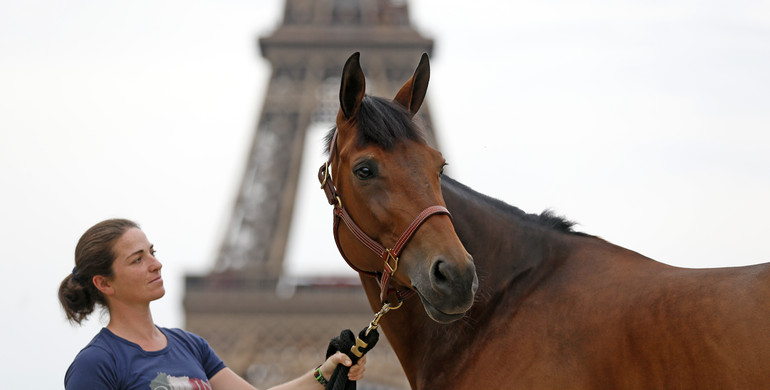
[(387, 179)]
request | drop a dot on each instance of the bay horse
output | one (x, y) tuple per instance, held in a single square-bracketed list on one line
[(494, 298)]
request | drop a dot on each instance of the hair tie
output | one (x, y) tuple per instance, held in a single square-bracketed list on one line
[(75, 275)]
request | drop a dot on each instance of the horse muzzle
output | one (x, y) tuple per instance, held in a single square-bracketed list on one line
[(447, 291)]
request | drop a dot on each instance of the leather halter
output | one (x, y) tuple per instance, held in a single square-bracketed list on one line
[(388, 256)]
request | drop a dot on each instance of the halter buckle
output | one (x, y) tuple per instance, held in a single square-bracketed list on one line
[(388, 256)]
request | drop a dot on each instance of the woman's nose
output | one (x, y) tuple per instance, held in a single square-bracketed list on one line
[(156, 265)]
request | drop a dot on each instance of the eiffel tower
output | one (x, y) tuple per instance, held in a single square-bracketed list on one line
[(264, 336)]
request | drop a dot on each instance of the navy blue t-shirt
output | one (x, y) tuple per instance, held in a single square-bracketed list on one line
[(112, 362)]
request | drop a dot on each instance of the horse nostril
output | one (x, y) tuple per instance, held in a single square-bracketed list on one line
[(437, 271), (439, 275)]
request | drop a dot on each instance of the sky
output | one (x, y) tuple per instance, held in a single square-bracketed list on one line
[(647, 122)]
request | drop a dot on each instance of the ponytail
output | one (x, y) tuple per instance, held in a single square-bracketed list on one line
[(78, 299)]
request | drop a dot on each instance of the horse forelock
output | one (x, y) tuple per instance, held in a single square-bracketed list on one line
[(381, 122)]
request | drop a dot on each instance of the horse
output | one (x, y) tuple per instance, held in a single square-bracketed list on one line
[(480, 294)]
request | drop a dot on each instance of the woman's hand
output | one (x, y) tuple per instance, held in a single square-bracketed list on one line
[(356, 372)]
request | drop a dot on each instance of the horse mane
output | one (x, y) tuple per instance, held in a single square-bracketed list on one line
[(381, 122), (548, 218)]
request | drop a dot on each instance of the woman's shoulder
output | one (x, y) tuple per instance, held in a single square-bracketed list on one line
[(100, 351), (95, 363), (180, 333), (182, 339), (100, 345), (184, 336)]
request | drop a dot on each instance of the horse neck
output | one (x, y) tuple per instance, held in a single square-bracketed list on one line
[(511, 251), (406, 328), (511, 255)]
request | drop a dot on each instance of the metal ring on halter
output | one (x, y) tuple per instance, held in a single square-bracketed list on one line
[(326, 174)]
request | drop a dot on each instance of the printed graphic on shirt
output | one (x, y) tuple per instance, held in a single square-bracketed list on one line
[(168, 382)]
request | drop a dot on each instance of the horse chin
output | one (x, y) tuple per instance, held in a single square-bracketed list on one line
[(436, 314)]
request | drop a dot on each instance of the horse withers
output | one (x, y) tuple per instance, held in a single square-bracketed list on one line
[(538, 305)]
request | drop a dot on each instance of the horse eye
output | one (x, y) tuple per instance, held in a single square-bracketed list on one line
[(364, 173)]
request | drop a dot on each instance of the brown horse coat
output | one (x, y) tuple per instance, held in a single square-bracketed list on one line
[(561, 310), (554, 309)]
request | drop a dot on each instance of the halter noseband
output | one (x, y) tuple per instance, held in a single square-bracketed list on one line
[(388, 256)]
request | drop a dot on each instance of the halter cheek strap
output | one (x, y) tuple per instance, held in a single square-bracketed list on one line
[(388, 256)]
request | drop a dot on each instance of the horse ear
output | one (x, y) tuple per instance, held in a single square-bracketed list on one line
[(413, 92), (352, 86)]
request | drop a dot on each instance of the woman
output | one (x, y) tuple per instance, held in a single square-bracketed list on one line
[(115, 267)]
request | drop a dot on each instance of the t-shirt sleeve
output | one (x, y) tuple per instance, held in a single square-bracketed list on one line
[(92, 369), (211, 363)]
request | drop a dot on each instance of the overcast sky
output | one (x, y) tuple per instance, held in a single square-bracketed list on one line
[(644, 121)]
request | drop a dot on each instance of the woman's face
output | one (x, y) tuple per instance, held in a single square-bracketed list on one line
[(136, 276)]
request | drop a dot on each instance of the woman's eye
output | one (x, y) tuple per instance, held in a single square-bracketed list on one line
[(364, 173)]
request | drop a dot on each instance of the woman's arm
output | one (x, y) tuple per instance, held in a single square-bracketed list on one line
[(226, 379)]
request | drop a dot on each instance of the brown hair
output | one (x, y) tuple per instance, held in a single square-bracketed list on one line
[(93, 256)]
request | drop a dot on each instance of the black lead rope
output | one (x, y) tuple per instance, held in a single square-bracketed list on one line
[(355, 348)]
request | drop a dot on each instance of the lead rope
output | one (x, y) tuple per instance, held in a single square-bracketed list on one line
[(355, 348)]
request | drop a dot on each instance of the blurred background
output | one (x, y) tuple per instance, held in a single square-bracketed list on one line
[(648, 123)]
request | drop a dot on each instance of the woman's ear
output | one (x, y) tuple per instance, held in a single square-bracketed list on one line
[(103, 284)]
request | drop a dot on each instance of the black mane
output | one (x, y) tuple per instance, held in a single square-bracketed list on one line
[(547, 218), (383, 123)]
